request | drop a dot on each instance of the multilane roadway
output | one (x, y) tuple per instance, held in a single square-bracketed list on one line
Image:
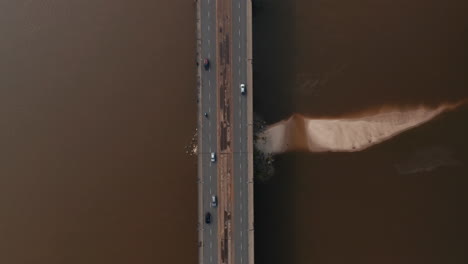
[(207, 129), (208, 133)]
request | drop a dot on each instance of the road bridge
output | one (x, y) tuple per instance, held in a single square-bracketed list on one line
[(225, 122)]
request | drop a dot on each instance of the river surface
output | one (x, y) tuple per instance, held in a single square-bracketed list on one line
[(97, 101), (402, 201)]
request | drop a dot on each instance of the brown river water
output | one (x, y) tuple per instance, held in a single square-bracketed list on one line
[(97, 101), (401, 201)]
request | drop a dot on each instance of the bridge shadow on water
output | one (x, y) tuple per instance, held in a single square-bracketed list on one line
[(273, 73)]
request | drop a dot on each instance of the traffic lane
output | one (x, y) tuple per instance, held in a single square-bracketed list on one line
[(242, 193), (241, 222), (209, 132)]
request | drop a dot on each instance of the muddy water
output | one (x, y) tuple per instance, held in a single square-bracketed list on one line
[(402, 201), (92, 162)]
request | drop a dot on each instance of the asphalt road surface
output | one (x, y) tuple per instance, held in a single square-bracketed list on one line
[(239, 76), (208, 128), (209, 133)]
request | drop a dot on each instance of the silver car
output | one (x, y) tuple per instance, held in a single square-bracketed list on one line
[(213, 157), (243, 89), (214, 201)]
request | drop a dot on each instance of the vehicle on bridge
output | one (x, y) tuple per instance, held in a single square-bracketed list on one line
[(213, 157), (214, 201), (243, 89), (208, 218), (206, 63)]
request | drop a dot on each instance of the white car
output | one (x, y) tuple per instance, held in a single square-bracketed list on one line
[(214, 201), (213, 157), (242, 88)]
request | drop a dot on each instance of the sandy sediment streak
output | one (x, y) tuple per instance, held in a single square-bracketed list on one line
[(300, 133)]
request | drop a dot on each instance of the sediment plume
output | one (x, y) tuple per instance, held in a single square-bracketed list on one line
[(345, 134)]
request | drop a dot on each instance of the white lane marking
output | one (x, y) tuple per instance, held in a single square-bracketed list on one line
[(210, 180), (208, 13), (241, 259), (239, 45), (211, 259), (239, 111), (239, 58), (239, 4), (210, 231), (208, 1), (241, 233), (240, 193), (210, 194), (241, 220), (240, 126), (208, 28), (209, 42), (239, 18), (209, 135), (209, 57), (209, 109), (209, 82)]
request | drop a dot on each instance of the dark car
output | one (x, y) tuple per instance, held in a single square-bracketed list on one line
[(208, 218), (206, 63)]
